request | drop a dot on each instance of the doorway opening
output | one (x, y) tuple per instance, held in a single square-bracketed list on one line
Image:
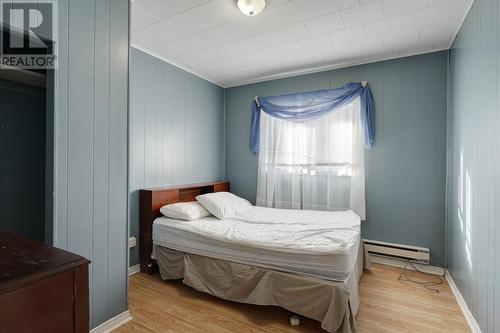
[(26, 152)]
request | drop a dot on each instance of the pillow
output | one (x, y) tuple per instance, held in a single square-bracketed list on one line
[(185, 211), (224, 205)]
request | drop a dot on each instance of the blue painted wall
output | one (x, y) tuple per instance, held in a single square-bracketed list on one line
[(473, 229), (91, 134), (405, 169), (22, 159), (176, 130)]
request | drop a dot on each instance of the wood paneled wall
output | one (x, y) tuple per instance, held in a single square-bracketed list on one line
[(176, 130), (406, 167), (473, 230), (91, 135)]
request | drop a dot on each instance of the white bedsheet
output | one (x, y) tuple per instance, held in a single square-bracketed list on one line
[(322, 244)]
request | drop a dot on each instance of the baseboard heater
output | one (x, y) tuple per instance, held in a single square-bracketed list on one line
[(398, 251)]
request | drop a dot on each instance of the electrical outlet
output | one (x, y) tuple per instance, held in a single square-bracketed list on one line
[(132, 242)]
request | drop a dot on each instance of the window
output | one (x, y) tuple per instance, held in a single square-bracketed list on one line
[(317, 164)]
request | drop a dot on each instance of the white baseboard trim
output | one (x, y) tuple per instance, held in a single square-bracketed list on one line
[(463, 305), (429, 269), (134, 269), (113, 323), (435, 270)]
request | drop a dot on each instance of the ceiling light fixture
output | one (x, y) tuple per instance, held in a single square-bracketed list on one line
[(251, 7)]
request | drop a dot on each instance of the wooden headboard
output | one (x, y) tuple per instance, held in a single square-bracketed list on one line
[(151, 200)]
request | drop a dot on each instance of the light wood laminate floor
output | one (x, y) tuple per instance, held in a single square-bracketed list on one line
[(387, 305)]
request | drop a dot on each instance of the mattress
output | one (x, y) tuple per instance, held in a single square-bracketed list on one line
[(313, 243)]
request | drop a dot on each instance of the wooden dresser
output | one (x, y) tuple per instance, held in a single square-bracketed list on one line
[(42, 288)]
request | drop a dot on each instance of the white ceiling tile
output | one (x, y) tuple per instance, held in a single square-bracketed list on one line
[(398, 7), (396, 41), (141, 17), (267, 39), (432, 38), (162, 32), (433, 15), (282, 65), (384, 26), (348, 35), (182, 46), (276, 51), (314, 58), (282, 35), (208, 15), (310, 56), (274, 3), (196, 58), (296, 11), (205, 39), (171, 7), (271, 65), (325, 23), (415, 49), (161, 9), (316, 42), (226, 65), (213, 38), (148, 36), (329, 6), (369, 12), (269, 68), (267, 20), (202, 17), (220, 52), (437, 2), (337, 52), (225, 33), (367, 46), (437, 35), (173, 51)]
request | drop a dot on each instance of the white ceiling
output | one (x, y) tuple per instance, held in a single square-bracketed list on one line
[(214, 40)]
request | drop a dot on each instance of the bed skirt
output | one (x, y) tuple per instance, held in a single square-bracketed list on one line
[(334, 304)]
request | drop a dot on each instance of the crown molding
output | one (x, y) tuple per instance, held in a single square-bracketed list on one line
[(466, 13), (318, 69), (176, 64)]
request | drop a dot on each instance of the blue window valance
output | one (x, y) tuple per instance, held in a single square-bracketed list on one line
[(312, 105)]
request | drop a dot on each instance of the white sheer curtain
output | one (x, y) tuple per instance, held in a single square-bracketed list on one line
[(313, 165)]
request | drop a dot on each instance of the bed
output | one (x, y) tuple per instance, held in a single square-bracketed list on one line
[(308, 262)]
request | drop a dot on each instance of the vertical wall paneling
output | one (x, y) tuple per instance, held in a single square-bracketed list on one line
[(100, 303), (61, 129), (80, 127), (118, 158), (49, 158), (176, 130), (91, 142), (405, 169), (473, 226)]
